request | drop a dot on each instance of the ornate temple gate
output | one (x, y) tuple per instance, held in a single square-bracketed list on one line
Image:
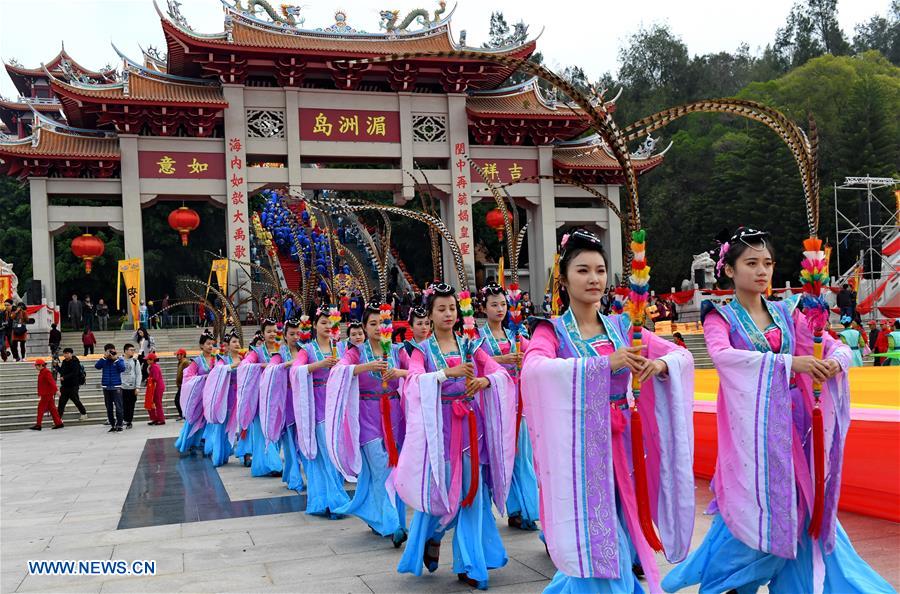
[(265, 104)]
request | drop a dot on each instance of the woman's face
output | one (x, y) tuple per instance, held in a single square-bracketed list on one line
[(495, 308), (323, 327), (373, 332), (443, 313), (752, 271), (421, 328), (358, 336), (270, 332), (234, 345), (207, 347), (585, 278), (292, 335)]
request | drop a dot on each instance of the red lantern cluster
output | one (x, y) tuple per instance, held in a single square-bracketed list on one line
[(494, 220), (88, 247), (184, 220)]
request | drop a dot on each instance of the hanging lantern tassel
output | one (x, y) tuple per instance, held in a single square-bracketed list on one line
[(184, 220), (638, 293), (88, 247)]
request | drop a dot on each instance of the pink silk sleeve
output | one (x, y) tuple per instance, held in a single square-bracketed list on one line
[(485, 363), (251, 357), (190, 372), (416, 362), (350, 357), (404, 359), (543, 344), (715, 332), (301, 358)]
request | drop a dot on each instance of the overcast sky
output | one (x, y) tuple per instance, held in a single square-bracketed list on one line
[(588, 34)]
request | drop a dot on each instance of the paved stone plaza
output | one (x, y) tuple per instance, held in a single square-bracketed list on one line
[(81, 493)]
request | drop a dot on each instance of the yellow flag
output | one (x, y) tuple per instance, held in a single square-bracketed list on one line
[(5, 290), (220, 269), (130, 272), (500, 279)]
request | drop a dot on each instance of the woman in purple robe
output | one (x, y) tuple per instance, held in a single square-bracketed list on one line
[(458, 449), (598, 497), (507, 349), (364, 427), (764, 481)]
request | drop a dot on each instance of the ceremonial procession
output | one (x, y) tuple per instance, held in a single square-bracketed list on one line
[(410, 311)]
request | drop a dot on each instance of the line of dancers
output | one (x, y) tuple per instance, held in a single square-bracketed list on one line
[(573, 431)]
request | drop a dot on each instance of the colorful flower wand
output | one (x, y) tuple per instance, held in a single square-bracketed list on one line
[(305, 329), (334, 318), (514, 300), (470, 332), (813, 276), (385, 331), (638, 294)]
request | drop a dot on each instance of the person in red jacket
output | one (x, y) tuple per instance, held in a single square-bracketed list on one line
[(881, 343), (46, 388), (155, 388)]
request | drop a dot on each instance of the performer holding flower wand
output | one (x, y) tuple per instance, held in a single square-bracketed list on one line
[(781, 379)]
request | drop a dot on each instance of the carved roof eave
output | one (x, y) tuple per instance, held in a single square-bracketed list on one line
[(43, 121), (15, 105), (53, 63), (159, 65), (74, 91), (558, 110), (593, 143), (140, 69), (221, 39), (19, 148), (272, 27)]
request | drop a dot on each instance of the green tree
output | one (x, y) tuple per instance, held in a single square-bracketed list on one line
[(880, 33)]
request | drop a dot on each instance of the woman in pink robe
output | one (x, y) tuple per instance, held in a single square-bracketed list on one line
[(364, 427), (458, 448), (764, 480), (582, 413)]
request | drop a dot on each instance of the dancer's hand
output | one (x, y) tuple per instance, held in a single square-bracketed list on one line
[(461, 370), (394, 373), (653, 367), (809, 365), (507, 359), (379, 366), (476, 385), (629, 357), (834, 367)]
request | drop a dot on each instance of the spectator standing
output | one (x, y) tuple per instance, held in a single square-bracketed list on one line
[(155, 388), (88, 312), (6, 311), (183, 363), (19, 332), (46, 389), (75, 311), (71, 376), (845, 301), (143, 312), (678, 339), (873, 341), (88, 340), (166, 315), (102, 315), (145, 346), (112, 366), (345, 307), (54, 339), (527, 305), (131, 379)]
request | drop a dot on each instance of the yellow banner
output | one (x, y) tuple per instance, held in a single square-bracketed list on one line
[(500, 280), (220, 269), (5, 288), (130, 271)]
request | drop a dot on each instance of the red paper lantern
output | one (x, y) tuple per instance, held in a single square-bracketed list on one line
[(184, 220), (494, 220), (88, 247)]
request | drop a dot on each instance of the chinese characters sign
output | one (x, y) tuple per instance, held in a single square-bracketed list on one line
[(503, 171), (238, 219), (349, 125), (462, 205), (180, 165)]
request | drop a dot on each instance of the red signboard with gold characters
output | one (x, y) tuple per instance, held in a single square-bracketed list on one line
[(504, 171), (349, 125), (181, 165)]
